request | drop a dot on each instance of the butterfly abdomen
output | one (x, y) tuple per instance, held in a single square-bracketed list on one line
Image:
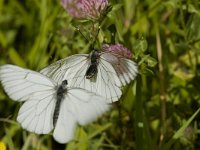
[(56, 111), (91, 71), (60, 95)]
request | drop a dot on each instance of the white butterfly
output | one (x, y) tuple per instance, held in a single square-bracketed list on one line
[(101, 72), (48, 105)]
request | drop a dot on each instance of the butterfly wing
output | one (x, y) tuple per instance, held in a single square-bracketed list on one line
[(108, 82), (36, 90), (78, 106), (85, 106), (74, 68), (65, 126), (105, 84), (21, 83), (59, 70), (126, 69)]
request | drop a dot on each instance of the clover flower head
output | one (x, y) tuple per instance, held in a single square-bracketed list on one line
[(85, 9), (117, 49)]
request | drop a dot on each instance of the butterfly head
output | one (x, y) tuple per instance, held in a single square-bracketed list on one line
[(62, 89), (64, 82), (94, 55), (94, 49)]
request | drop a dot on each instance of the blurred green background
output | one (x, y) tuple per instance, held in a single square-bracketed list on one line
[(160, 110)]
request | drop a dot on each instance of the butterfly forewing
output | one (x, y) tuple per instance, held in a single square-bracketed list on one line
[(20, 83), (36, 90), (59, 70)]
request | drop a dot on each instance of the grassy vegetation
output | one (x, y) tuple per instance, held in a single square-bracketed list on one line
[(159, 110)]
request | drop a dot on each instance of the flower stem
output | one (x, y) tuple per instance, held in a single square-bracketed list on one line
[(139, 115), (162, 88)]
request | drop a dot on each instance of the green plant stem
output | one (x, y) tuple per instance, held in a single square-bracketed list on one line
[(139, 115), (162, 88)]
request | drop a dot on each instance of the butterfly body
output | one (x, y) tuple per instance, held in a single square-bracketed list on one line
[(93, 68), (62, 89)]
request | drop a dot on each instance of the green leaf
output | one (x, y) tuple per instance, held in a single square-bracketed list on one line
[(192, 30), (193, 9), (151, 62), (140, 47), (181, 131), (16, 58)]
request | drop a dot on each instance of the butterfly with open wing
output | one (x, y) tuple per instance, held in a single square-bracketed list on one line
[(49, 105), (103, 73)]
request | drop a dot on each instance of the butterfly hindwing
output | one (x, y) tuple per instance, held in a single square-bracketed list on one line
[(78, 106), (107, 82), (36, 115), (85, 105), (125, 68), (65, 126)]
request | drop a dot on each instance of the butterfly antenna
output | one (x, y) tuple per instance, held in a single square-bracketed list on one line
[(87, 39), (78, 29), (99, 28), (95, 37)]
